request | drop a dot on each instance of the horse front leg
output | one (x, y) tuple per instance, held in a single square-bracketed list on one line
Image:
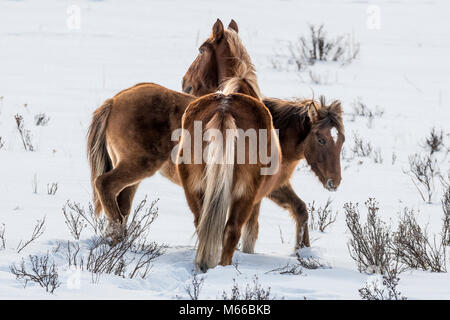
[(286, 198)]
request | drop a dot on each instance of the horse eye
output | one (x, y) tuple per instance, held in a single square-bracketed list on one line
[(201, 50), (321, 141), (188, 89)]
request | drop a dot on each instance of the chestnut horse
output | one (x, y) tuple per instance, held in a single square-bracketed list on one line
[(220, 192), (129, 138), (309, 130), (314, 133)]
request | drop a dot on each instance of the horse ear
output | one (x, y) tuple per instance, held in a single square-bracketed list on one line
[(313, 113), (217, 30), (233, 26), (336, 106)]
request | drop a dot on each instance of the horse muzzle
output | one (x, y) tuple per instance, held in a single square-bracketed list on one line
[(330, 185)]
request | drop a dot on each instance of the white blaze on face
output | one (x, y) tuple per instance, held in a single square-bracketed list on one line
[(334, 134)]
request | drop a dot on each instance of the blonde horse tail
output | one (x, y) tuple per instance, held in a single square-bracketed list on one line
[(99, 159), (218, 179)]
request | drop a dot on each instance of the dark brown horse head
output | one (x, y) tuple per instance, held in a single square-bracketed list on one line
[(216, 60), (324, 142)]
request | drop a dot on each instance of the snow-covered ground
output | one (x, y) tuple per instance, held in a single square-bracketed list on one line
[(48, 66)]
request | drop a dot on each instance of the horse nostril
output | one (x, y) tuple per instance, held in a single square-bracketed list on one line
[(330, 185)]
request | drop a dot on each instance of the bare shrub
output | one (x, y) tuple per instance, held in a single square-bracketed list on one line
[(446, 220), (377, 157), (193, 290), (236, 266), (321, 218), (34, 184), (52, 188), (294, 269), (370, 243), (393, 158), (2, 236), (43, 271), (75, 222), (77, 214), (319, 78), (255, 292), (361, 148), (434, 142), (25, 134), (360, 109), (38, 230), (281, 234), (128, 258), (72, 253), (310, 263), (414, 247), (376, 249), (423, 170), (276, 63), (386, 290), (41, 119), (318, 47), (301, 263), (445, 181)]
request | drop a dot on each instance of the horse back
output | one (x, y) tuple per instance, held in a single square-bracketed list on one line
[(142, 119), (247, 113)]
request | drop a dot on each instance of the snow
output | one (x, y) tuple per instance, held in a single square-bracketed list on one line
[(45, 66)]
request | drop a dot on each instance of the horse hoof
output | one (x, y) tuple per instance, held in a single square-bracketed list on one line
[(202, 267), (116, 232)]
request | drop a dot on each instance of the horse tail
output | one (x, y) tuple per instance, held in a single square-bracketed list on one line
[(218, 179), (99, 159)]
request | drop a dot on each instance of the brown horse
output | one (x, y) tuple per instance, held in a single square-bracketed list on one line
[(129, 138), (221, 190), (308, 139), (309, 130)]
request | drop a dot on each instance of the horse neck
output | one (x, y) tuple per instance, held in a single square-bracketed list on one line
[(225, 70), (294, 126), (236, 73)]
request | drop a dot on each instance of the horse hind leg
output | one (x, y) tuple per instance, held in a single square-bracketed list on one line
[(125, 200), (191, 182), (251, 229), (112, 183), (239, 213)]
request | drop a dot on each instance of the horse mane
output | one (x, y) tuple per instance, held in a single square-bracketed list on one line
[(244, 69), (294, 114), (330, 115)]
